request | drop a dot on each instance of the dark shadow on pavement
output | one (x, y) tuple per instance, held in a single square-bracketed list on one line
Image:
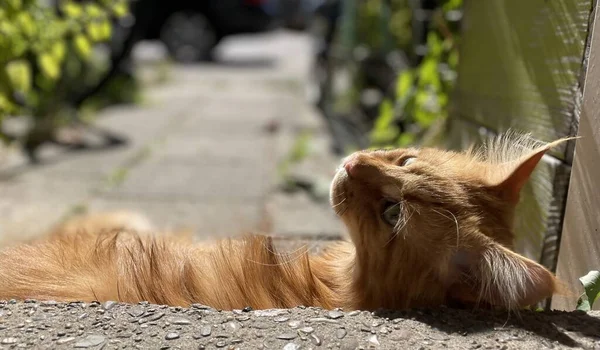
[(551, 325), (242, 63), (109, 141)]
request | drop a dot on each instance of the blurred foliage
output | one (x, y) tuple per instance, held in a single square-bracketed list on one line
[(372, 21), (422, 93), (48, 54), (376, 30)]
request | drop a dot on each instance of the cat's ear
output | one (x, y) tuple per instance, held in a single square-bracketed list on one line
[(497, 276), (510, 185)]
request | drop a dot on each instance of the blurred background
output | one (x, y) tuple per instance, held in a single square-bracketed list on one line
[(221, 116)]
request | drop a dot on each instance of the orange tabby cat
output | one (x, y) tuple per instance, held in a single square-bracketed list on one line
[(427, 227)]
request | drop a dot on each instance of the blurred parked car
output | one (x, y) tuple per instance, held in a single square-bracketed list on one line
[(190, 29)]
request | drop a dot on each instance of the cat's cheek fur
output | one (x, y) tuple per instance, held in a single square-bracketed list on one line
[(497, 276)]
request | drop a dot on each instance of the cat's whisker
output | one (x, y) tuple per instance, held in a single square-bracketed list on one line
[(406, 223), (339, 209), (340, 203), (453, 218), (343, 211), (400, 227)]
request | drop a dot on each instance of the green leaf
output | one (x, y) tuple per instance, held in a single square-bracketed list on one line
[(19, 74), (428, 72), (406, 139), (591, 285), (452, 5), (404, 83), (99, 31), (120, 9), (59, 50), (5, 105), (93, 10), (26, 23), (435, 44), (105, 30), (386, 115), (384, 131), (49, 66), (72, 9), (15, 5), (83, 46)]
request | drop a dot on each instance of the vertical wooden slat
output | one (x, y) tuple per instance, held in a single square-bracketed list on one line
[(580, 244), (520, 68)]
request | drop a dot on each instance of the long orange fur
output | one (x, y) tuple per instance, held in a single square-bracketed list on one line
[(451, 243)]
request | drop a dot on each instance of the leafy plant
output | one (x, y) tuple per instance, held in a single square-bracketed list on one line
[(591, 285), (47, 53), (372, 21), (422, 93)]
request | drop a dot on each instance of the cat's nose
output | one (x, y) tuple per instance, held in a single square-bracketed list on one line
[(350, 163), (349, 166)]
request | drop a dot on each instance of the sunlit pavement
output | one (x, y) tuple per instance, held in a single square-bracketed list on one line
[(204, 148)]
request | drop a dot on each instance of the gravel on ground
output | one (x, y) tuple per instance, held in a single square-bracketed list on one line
[(110, 325)]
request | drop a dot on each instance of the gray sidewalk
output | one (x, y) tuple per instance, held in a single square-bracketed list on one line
[(204, 152)]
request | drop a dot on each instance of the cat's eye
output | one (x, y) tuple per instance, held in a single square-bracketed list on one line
[(408, 161), (391, 213)]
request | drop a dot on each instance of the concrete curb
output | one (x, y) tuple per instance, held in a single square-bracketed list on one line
[(111, 325)]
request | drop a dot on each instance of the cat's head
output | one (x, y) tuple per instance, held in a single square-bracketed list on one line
[(432, 226)]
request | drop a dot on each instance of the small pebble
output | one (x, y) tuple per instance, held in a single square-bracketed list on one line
[(109, 305), (295, 324), (316, 340), (322, 319), (341, 333), (334, 314), (307, 330), (376, 323), (181, 321), (65, 340), (270, 313), (349, 344), (281, 319), (234, 326), (205, 331), (90, 341), (291, 346), (287, 336), (172, 335), (136, 311), (373, 340), (8, 341)]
